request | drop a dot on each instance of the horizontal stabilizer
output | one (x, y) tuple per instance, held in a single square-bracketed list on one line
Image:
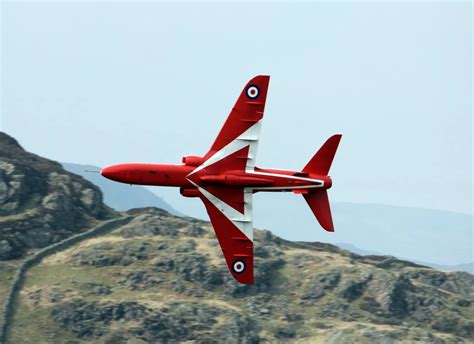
[(319, 203)]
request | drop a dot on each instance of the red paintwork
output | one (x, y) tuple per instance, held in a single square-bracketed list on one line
[(233, 243), (319, 204), (245, 113), (192, 160), (189, 192), (235, 179), (175, 175), (225, 177), (321, 162), (149, 174)]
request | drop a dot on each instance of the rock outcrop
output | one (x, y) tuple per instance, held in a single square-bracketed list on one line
[(41, 203)]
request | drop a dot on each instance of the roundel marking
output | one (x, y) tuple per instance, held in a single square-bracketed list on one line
[(238, 266), (252, 91)]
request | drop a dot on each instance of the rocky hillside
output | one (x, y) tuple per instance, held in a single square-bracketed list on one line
[(41, 203), (160, 278)]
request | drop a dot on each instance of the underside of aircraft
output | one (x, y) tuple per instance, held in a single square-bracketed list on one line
[(226, 177)]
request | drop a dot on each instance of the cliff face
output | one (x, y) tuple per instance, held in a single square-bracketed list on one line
[(162, 278), (41, 203)]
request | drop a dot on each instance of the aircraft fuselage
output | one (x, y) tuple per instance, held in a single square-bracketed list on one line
[(258, 179)]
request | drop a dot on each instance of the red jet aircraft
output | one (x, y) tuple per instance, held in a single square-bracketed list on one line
[(226, 178)]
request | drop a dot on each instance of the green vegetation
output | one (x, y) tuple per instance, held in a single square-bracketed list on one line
[(6, 278), (162, 278), (33, 325)]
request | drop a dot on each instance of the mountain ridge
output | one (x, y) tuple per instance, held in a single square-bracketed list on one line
[(468, 267), (437, 237)]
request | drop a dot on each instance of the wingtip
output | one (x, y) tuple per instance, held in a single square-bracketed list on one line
[(247, 281), (329, 229), (265, 78), (246, 276)]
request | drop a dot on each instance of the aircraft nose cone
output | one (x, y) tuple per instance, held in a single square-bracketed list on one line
[(108, 172), (117, 173)]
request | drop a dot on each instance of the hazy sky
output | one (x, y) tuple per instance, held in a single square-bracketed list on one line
[(104, 83)]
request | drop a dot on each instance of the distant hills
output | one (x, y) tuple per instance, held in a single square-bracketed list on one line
[(439, 238), (469, 267), (120, 196), (422, 235)]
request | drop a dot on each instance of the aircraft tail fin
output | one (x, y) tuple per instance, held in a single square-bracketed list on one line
[(321, 162), (319, 203)]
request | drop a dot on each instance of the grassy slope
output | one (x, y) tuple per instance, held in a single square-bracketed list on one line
[(60, 272), (6, 278)]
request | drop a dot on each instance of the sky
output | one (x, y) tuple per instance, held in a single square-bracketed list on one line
[(110, 82)]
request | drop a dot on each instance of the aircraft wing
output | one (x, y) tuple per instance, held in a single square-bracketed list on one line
[(234, 232), (230, 206), (244, 120)]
